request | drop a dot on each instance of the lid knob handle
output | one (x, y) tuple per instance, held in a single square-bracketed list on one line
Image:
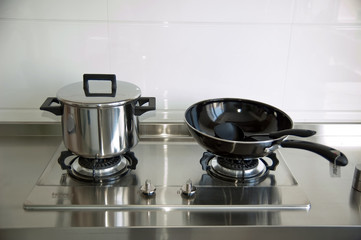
[(99, 77)]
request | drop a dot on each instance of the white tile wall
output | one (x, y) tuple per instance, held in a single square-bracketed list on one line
[(303, 56), (328, 11), (51, 9), (319, 67), (39, 57), (187, 63), (215, 11)]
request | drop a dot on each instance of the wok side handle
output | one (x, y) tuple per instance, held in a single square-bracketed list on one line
[(332, 155)]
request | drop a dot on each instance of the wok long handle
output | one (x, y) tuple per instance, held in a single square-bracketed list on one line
[(331, 154)]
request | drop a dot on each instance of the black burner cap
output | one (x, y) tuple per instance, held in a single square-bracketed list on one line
[(237, 164), (98, 164)]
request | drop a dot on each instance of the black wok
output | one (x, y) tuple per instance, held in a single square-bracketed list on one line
[(253, 118)]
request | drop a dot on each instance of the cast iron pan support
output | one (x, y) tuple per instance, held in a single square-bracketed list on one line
[(133, 161), (275, 162), (207, 156), (61, 160)]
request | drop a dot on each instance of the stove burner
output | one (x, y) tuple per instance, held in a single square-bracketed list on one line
[(239, 171), (237, 164), (97, 170), (99, 163)]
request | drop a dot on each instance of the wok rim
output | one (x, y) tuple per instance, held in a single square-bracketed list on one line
[(207, 101)]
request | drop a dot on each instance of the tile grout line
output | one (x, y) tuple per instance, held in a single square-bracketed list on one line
[(159, 22), (109, 40), (286, 79)]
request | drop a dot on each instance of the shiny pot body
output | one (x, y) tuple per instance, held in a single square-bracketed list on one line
[(99, 121), (99, 132)]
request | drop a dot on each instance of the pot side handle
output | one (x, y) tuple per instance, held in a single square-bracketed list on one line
[(332, 155), (140, 109), (46, 106)]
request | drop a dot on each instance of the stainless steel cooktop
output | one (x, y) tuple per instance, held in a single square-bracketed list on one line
[(168, 165)]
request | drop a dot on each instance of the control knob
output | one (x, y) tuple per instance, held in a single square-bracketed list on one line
[(188, 189), (148, 188)]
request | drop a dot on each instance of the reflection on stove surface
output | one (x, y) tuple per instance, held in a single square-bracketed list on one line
[(149, 218)]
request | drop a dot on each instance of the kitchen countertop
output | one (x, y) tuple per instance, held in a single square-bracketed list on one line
[(25, 150)]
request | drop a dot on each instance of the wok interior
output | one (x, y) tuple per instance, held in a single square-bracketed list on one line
[(250, 116)]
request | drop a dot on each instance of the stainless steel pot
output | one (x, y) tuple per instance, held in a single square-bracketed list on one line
[(98, 120)]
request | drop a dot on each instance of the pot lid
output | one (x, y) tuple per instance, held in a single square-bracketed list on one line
[(98, 90)]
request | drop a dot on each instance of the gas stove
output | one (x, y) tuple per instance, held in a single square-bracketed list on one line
[(166, 173)]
